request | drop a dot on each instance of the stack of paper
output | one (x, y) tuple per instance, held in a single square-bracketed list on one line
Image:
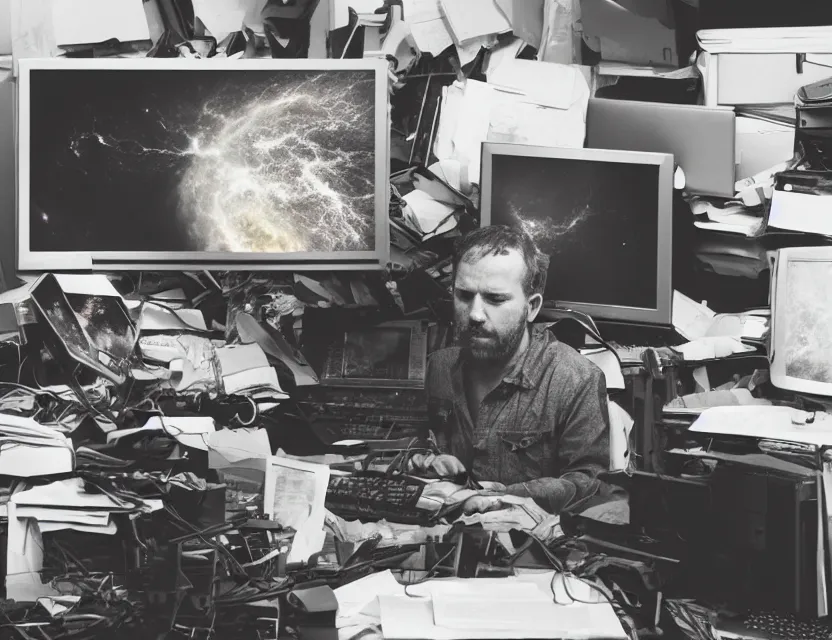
[(524, 102), (189, 431), (65, 505), (28, 449), (517, 607), (767, 40), (244, 370), (731, 217)]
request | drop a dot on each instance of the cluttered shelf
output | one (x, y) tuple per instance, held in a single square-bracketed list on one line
[(238, 255)]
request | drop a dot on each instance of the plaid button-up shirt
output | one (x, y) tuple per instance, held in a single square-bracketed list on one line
[(543, 431)]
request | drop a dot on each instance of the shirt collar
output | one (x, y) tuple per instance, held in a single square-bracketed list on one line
[(529, 368)]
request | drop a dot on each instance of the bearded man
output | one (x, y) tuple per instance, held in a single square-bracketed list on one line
[(510, 403)]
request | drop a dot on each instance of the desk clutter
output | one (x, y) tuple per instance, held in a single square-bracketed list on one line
[(234, 258)]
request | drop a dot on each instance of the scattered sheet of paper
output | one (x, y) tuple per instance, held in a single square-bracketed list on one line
[(691, 319), (404, 618), (294, 496), (92, 21), (189, 431), (477, 112), (24, 559), (770, 422), (221, 17), (545, 83), (428, 26), (803, 212), (361, 596), (432, 216), (608, 362), (227, 447), (472, 19), (712, 347), (621, 424), (500, 54)]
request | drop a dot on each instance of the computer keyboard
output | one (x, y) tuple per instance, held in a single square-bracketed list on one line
[(376, 496)]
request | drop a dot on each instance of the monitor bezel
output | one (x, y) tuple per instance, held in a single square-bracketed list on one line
[(38, 261), (778, 329), (661, 314)]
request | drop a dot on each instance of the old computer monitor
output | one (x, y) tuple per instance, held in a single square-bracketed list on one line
[(801, 320), (604, 217), (180, 164)]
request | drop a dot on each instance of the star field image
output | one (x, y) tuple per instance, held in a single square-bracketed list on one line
[(597, 221), (208, 160)]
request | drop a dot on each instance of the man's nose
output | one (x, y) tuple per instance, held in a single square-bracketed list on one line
[(477, 314)]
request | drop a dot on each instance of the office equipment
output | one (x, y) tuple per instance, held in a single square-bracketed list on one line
[(707, 158), (168, 164), (377, 496), (801, 308), (393, 354), (735, 59), (603, 217), (67, 340)]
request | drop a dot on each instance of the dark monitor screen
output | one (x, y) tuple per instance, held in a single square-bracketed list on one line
[(603, 219)]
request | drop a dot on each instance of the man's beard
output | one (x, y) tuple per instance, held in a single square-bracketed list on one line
[(497, 348)]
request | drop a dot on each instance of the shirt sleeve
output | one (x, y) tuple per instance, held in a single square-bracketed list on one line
[(581, 451)]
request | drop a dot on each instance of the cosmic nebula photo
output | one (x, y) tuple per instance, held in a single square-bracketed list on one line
[(259, 161)]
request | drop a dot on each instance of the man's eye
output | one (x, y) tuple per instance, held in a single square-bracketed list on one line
[(495, 300)]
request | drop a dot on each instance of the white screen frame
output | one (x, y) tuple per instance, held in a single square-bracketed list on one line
[(37, 261), (661, 315), (779, 329)]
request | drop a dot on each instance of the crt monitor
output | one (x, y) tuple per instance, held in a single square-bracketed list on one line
[(604, 218), (170, 164)]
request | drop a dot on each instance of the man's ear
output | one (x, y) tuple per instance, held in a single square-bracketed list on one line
[(533, 306)]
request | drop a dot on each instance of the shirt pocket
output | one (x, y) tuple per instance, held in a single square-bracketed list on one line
[(525, 455)]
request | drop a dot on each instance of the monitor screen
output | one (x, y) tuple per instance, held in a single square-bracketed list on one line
[(176, 162), (801, 309), (603, 217)]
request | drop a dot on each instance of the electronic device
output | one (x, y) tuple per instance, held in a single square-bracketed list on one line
[(377, 496), (65, 337), (174, 164), (706, 158), (391, 354), (801, 320), (604, 218)]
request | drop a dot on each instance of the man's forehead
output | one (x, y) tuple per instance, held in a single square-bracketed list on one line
[(491, 272)]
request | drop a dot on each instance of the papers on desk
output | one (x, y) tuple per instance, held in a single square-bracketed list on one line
[(29, 449), (608, 362), (769, 422), (766, 40), (693, 320), (731, 218), (189, 431), (516, 607), (477, 112), (294, 496), (428, 26), (93, 21), (804, 212), (470, 20)]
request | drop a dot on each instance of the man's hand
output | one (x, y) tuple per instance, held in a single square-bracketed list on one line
[(445, 466)]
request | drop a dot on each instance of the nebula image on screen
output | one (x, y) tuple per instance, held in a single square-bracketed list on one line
[(807, 313), (597, 222), (253, 161)]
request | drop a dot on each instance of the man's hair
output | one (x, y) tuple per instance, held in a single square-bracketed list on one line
[(497, 240)]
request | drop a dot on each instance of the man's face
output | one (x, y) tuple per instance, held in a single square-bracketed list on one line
[(490, 307)]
